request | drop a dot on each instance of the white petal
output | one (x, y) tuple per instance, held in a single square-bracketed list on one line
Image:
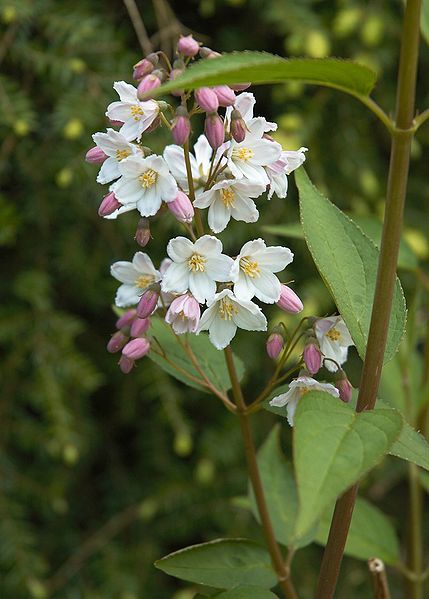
[(127, 295), (180, 249), (149, 202), (275, 258), (167, 188), (207, 318), (244, 209), (253, 172), (201, 286), (124, 272), (205, 199), (267, 287), (110, 142), (131, 129), (265, 151), (176, 278), (126, 92), (133, 166), (219, 267), (144, 264), (221, 332), (219, 216), (250, 248), (203, 154), (128, 191), (244, 288), (208, 245), (250, 320), (118, 111), (109, 171)]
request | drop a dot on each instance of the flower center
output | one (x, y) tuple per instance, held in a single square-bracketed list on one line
[(244, 154), (143, 281), (121, 154), (333, 334), (250, 267), (196, 263), (148, 178), (136, 112), (227, 309), (227, 196)]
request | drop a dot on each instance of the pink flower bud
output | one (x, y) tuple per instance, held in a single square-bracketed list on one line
[(95, 155), (126, 364), (181, 126), (240, 87), (182, 208), (145, 66), (289, 301), (147, 303), (116, 342), (108, 205), (142, 235), (312, 358), (238, 126), (344, 387), (148, 83), (274, 345), (136, 348), (208, 53), (225, 95), (214, 130), (139, 327), (126, 319), (188, 46), (207, 99), (184, 314)]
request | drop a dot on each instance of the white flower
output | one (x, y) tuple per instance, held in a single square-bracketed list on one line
[(200, 163), (230, 198), (135, 115), (298, 388), (253, 270), (245, 103), (165, 299), (117, 148), (334, 339), (136, 276), (145, 184), (248, 158), (277, 171), (225, 313), (196, 266)]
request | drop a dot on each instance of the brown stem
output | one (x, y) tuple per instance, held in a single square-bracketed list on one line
[(138, 25), (378, 571)]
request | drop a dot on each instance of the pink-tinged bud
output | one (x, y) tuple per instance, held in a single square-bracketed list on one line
[(344, 387), (214, 130), (275, 344), (139, 327), (312, 358), (184, 314), (181, 126), (115, 123), (142, 235), (240, 87), (136, 348), (188, 46), (208, 53), (126, 364), (147, 303), (238, 126), (225, 95), (182, 208), (289, 301), (108, 205), (145, 66), (117, 342), (126, 319), (148, 83), (95, 155), (207, 99)]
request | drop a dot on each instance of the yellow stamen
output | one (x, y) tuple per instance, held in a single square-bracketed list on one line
[(303, 391), (144, 281), (244, 154), (136, 112), (333, 334), (121, 154), (227, 196), (227, 309), (148, 178), (196, 263), (250, 267)]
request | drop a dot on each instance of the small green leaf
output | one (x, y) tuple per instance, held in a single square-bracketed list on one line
[(261, 67), (347, 261), (412, 447), (333, 448), (211, 360), (224, 564), (247, 593), (371, 533)]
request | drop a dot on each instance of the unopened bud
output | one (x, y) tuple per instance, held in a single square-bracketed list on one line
[(344, 387), (208, 53), (136, 348), (139, 327), (145, 66), (126, 364), (207, 99), (126, 319), (108, 205), (275, 344), (289, 301), (182, 208), (225, 95), (147, 303), (95, 155), (148, 83), (181, 126), (142, 235), (188, 46), (240, 87), (238, 126), (214, 130), (312, 357), (117, 342)]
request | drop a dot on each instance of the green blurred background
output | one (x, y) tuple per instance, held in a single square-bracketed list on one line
[(101, 473)]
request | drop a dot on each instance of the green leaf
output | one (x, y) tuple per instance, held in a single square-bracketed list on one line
[(371, 533), (247, 593), (212, 361), (411, 447), (347, 262), (333, 448), (424, 480), (224, 564), (261, 67), (424, 20)]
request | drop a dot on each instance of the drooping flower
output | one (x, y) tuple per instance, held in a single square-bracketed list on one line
[(225, 313), (135, 276), (334, 340), (184, 314), (298, 388), (196, 266), (116, 147), (135, 115), (245, 103), (145, 183), (230, 198), (254, 268), (277, 171), (174, 156)]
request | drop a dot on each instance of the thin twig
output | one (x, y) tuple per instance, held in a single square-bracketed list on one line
[(378, 571), (139, 26)]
